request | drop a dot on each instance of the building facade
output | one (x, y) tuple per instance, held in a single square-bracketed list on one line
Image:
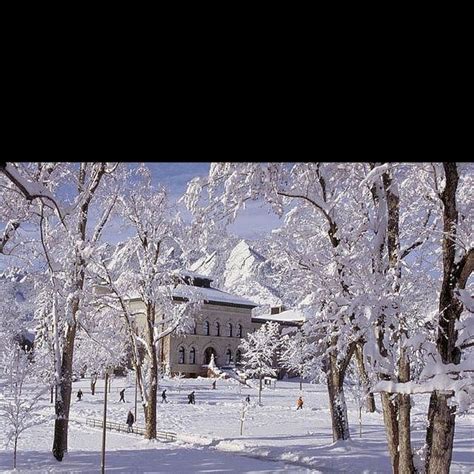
[(224, 319)]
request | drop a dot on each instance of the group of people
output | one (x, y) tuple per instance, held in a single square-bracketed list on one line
[(191, 400), (80, 394), (191, 396)]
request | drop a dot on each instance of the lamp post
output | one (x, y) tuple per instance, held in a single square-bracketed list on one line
[(108, 372)]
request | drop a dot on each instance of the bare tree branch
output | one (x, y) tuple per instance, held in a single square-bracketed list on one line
[(332, 225), (30, 194), (8, 233)]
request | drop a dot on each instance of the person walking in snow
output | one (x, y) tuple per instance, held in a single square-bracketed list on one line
[(299, 403), (247, 399), (122, 396), (191, 398), (163, 396), (214, 385), (130, 420), (79, 395)]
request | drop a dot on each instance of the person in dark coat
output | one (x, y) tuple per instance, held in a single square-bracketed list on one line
[(130, 420), (191, 398), (79, 394), (122, 396), (214, 385), (163, 396), (247, 398)]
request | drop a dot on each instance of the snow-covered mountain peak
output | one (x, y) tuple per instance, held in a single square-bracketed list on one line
[(205, 265), (242, 263), (241, 270)]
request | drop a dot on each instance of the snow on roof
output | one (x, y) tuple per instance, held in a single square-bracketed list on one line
[(290, 315), (195, 275), (211, 294), (207, 294)]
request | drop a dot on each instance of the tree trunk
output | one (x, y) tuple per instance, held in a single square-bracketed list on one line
[(397, 407), (370, 402), (364, 378), (440, 434), (404, 429), (337, 401), (150, 409), (390, 410), (14, 452), (301, 385), (63, 401), (260, 391), (441, 417)]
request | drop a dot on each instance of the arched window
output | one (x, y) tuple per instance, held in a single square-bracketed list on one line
[(228, 357), (218, 328), (192, 356), (206, 328), (181, 355), (239, 330), (238, 356), (229, 329)]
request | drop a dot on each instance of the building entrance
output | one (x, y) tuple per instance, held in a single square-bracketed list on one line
[(207, 355)]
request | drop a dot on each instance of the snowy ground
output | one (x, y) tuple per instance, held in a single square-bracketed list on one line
[(276, 437)]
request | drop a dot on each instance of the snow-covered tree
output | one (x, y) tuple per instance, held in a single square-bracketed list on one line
[(101, 342), (20, 392), (359, 242), (259, 353), (69, 232), (147, 268), (458, 264), (15, 214), (324, 221), (296, 354), (406, 216)]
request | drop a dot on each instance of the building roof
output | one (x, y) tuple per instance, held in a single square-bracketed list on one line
[(209, 295), (193, 275), (291, 316), (212, 295)]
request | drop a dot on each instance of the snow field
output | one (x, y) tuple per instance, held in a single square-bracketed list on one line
[(276, 437)]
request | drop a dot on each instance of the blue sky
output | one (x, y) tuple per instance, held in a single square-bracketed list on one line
[(252, 223)]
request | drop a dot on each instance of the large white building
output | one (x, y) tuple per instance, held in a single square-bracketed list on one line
[(224, 319)]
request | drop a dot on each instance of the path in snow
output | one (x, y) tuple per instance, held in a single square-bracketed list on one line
[(129, 453)]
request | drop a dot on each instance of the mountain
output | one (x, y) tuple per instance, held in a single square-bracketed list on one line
[(242, 269), (17, 295)]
